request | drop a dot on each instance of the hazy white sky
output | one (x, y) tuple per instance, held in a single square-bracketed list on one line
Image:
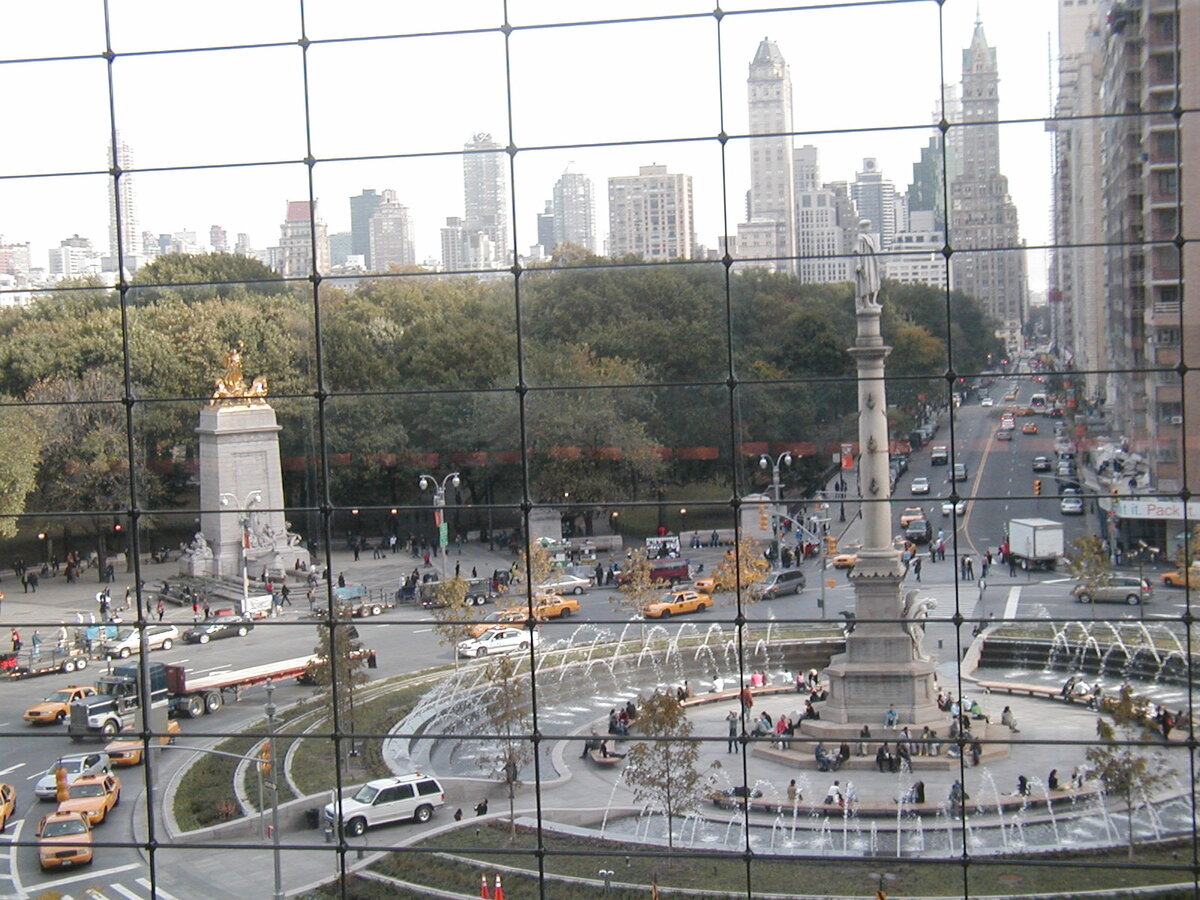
[(669, 85)]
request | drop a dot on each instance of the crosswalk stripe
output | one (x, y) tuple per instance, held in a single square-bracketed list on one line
[(159, 893), (93, 876), (126, 892)]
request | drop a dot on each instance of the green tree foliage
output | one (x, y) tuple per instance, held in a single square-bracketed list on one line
[(18, 464), (1128, 772), (339, 672), (663, 772), (205, 275), (453, 615)]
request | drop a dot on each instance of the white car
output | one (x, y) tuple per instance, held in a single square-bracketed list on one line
[(565, 584), (128, 640), (949, 507), (77, 766), (920, 485), (1071, 506), (386, 800), (987, 401), (499, 640)]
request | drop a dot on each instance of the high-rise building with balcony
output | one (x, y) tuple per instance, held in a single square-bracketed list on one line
[(826, 222), (650, 215), (989, 256), (485, 195)]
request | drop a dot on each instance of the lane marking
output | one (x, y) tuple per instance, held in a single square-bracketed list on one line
[(421, 630), (125, 892), (85, 876), (159, 892), (11, 768), (1014, 599)]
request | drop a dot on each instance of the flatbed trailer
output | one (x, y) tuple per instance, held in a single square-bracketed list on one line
[(193, 697), (50, 661)]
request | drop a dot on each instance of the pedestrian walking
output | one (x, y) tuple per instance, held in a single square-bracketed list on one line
[(37, 644), (916, 568), (16, 640), (970, 568), (732, 720), (285, 596), (160, 608), (195, 610)]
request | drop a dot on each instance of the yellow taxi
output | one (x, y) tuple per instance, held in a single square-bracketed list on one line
[(676, 602), (64, 840), (844, 561), (1189, 577), (128, 751), (705, 585), (93, 797), (8, 802), (501, 618), (552, 606), (55, 708)]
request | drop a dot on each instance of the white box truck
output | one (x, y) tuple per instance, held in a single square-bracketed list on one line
[(1035, 543)]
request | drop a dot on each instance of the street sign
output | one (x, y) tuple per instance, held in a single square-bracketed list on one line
[(443, 535)]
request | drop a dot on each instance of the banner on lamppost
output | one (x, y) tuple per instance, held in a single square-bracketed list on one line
[(847, 456)]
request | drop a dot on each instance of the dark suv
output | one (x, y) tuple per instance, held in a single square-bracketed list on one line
[(785, 581)]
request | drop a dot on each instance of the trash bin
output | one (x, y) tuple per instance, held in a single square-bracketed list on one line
[(312, 817)]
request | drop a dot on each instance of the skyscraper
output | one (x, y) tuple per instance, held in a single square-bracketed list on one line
[(485, 194), (989, 257), (218, 239), (769, 231), (120, 193), (391, 235), (875, 199), (293, 258), (574, 211), (826, 223), (362, 208), (650, 215)]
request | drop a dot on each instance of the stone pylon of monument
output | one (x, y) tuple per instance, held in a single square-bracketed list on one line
[(241, 483), (885, 664)]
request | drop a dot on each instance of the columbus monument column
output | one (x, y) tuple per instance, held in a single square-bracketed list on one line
[(885, 664), (241, 483)]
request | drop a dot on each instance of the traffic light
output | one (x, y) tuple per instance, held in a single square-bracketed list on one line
[(1037, 487), (265, 756), (118, 527), (763, 524)]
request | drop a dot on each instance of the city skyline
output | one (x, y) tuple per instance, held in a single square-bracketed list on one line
[(247, 200)]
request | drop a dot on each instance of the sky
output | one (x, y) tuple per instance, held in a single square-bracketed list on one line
[(865, 80)]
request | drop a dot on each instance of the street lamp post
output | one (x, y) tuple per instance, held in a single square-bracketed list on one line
[(764, 462), (243, 509), (425, 482), (272, 786), (682, 523)]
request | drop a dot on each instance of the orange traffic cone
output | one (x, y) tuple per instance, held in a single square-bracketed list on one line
[(499, 888), (483, 888)]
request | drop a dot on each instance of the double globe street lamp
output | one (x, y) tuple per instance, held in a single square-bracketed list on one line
[(425, 482)]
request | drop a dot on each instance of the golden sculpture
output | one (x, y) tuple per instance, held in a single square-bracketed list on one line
[(232, 388)]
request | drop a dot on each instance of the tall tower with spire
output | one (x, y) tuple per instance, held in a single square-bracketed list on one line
[(769, 231), (989, 256)]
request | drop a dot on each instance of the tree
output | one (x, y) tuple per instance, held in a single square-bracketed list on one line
[(533, 566), (742, 570), (1127, 773), (339, 671), (640, 588), (1089, 564), (506, 706), (18, 464), (453, 615), (206, 275), (662, 772)]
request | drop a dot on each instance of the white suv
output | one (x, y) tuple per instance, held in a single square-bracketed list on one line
[(386, 800), (499, 640), (127, 641)]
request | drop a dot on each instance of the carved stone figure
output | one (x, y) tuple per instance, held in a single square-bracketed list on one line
[(198, 548), (866, 269), (916, 611)]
